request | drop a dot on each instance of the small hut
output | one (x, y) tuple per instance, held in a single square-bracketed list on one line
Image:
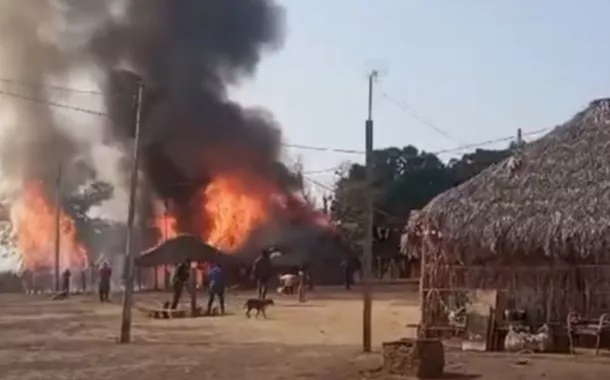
[(188, 247), (536, 227)]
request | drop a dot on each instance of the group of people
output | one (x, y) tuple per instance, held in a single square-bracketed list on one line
[(262, 272), (104, 276)]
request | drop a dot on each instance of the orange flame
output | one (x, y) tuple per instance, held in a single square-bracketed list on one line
[(167, 225), (34, 219), (234, 206)]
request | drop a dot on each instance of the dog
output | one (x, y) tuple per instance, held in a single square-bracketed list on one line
[(258, 305)]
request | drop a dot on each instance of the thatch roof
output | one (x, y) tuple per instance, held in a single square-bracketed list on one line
[(551, 198), (185, 247), (290, 260)]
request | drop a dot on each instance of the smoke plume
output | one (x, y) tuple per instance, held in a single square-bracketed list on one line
[(186, 54)]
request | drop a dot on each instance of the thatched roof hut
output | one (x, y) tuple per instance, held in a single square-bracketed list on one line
[(185, 247), (536, 225)]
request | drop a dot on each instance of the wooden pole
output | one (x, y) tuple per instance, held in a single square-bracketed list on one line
[(193, 291), (156, 277), (129, 256), (423, 285), (57, 227), (368, 246), (165, 221), (83, 279)]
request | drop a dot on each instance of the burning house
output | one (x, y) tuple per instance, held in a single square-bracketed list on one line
[(214, 163)]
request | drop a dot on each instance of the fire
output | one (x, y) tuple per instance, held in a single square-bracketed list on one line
[(234, 206), (34, 218), (166, 224)]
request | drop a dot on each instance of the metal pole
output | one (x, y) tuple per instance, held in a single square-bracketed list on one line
[(368, 245), (57, 227), (129, 256)]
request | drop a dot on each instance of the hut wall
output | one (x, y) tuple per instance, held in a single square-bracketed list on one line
[(547, 292)]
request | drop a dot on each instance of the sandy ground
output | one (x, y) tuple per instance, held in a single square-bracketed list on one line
[(76, 339)]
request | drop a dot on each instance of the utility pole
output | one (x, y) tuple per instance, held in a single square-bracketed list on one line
[(368, 225), (129, 255), (57, 227)]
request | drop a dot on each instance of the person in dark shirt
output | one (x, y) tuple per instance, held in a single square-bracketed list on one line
[(262, 271), (104, 284), (66, 276), (217, 287), (349, 265), (179, 279)]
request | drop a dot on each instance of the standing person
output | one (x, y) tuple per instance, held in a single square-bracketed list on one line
[(348, 273), (66, 276), (217, 287), (302, 285), (104, 282), (262, 271), (179, 279)]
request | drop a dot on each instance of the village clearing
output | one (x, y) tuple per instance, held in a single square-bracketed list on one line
[(321, 339)]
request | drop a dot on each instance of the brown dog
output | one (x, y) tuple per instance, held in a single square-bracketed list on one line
[(258, 305)]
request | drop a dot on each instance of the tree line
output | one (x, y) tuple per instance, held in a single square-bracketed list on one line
[(405, 179)]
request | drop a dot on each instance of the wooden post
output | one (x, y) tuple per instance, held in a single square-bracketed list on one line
[(422, 288), (57, 228), (156, 277), (193, 292), (301, 286), (165, 278), (92, 276), (129, 256), (83, 279)]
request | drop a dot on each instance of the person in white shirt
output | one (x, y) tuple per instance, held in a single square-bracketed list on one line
[(288, 282)]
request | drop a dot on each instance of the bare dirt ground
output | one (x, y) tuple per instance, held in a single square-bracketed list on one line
[(76, 339)]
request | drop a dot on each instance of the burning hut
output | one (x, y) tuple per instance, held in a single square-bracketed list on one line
[(187, 247), (184, 247), (536, 227)]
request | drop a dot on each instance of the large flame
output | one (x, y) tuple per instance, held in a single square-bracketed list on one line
[(233, 206), (166, 223), (35, 220)]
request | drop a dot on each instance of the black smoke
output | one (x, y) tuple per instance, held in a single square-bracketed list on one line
[(187, 53)]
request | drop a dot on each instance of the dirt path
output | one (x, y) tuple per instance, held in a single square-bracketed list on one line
[(75, 339)]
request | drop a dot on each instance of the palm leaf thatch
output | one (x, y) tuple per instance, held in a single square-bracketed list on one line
[(535, 226), (551, 198), (185, 247)]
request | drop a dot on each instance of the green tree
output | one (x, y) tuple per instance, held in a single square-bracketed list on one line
[(405, 179)]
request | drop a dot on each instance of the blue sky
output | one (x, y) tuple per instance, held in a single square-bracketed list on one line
[(477, 69)]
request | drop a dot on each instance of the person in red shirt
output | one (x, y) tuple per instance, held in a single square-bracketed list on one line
[(104, 285)]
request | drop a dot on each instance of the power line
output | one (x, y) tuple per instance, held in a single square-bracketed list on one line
[(328, 188), (324, 149), (295, 146), (322, 171), (406, 107), (449, 150), (58, 88), (488, 142), (53, 104)]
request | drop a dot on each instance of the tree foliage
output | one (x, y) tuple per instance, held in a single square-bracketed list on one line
[(95, 233), (405, 179)]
